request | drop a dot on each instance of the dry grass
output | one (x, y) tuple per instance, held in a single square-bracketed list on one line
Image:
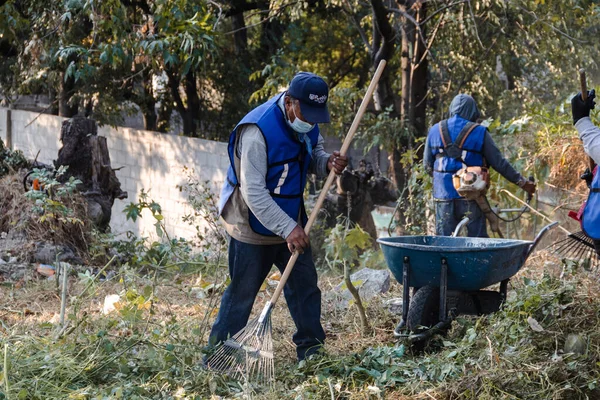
[(176, 316), (567, 161), (19, 222), (12, 216)]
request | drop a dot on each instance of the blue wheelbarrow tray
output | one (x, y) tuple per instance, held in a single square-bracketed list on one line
[(473, 263)]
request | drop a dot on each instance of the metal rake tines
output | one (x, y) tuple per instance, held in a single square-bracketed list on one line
[(247, 356), (577, 246)]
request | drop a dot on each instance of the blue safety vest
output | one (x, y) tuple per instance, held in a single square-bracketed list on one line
[(287, 162), (590, 220), (444, 167)]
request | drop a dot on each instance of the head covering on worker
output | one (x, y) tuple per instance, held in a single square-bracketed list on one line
[(313, 93), (465, 107)]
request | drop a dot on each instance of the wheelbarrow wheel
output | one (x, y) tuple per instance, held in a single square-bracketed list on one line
[(424, 310)]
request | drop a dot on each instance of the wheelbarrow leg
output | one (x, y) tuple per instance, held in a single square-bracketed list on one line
[(503, 290), (443, 289), (405, 297), (405, 288)]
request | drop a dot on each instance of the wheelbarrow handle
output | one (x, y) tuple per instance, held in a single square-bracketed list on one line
[(539, 237), (462, 223)]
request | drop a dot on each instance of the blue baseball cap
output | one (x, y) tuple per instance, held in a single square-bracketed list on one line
[(312, 92)]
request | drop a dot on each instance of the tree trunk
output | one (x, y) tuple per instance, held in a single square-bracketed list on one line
[(67, 89), (414, 90), (357, 193), (189, 128), (193, 112), (384, 46), (240, 37), (163, 119), (147, 102), (86, 155), (271, 37), (419, 81)]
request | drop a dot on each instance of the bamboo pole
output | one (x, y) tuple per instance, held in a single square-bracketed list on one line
[(533, 210)]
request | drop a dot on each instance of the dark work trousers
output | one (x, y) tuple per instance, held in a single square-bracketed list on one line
[(448, 213), (249, 266)]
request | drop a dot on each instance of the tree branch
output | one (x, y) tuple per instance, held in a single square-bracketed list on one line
[(268, 18), (382, 26), (552, 27), (411, 19), (239, 9), (174, 82), (361, 31), (439, 10), (430, 44), (475, 25)]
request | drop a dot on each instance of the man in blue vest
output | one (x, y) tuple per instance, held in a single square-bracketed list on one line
[(590, 135), (271, 151), (472, 146)]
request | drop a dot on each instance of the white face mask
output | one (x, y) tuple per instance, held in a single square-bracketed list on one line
[(298, 125)]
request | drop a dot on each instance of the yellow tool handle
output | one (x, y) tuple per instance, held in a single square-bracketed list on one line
[(583, 84)]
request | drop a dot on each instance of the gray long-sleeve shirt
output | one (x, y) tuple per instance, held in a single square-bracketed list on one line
[(491, 154), (590, 135), (252, 151)]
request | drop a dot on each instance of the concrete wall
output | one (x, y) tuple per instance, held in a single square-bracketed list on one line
[(3, 125), (145, 160), (33, 132)]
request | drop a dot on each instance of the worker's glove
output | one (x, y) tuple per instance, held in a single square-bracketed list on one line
[(527, 185), (582, 108)]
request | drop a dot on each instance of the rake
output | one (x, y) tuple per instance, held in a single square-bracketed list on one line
[(248, 355), (577, 246)]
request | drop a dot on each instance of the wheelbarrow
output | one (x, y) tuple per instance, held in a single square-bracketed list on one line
[(448, 274)]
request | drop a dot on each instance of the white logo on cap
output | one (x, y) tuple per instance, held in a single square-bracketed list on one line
[(317, 98)]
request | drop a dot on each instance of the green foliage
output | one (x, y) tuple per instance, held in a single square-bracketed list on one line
[(508, 54), (414, 202), (166, 253), (181, 36), (484, 357), (133, 211), (210, 234), (51, 201), (11, 161), (350, 246)]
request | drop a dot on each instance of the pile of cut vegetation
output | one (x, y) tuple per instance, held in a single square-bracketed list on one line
[(31, 219), (544, 344)]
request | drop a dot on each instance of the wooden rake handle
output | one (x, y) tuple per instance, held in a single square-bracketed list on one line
[(583, 84), (330, 178)]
